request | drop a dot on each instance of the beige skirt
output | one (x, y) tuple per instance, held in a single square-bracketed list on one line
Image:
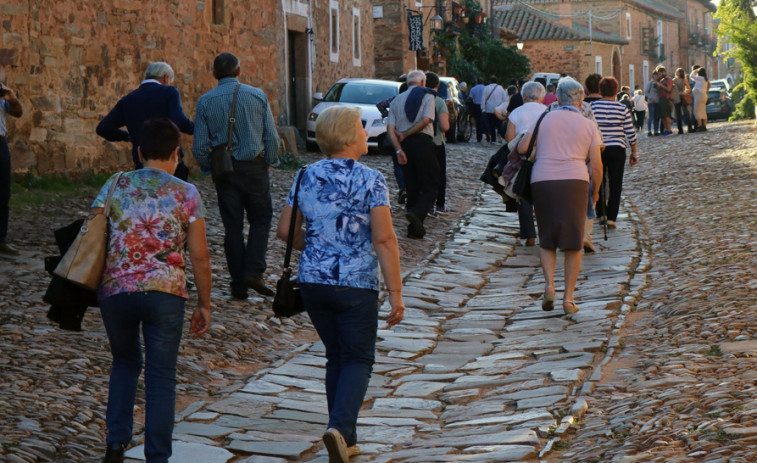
[(560, 207)]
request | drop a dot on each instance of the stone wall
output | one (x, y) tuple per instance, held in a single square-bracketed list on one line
[(71, 61), (555, 56)]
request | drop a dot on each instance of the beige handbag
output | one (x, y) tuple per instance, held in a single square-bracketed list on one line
[(84, 262)]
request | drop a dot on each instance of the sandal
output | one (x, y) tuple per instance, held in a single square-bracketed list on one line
[(548, 303), (569, 307)]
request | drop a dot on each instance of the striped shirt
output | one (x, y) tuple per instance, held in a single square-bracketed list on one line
[(4, 108), (254, 129), (615, 123)]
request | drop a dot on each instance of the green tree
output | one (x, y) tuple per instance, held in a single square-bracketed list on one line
[(475, 53), (738, 26)]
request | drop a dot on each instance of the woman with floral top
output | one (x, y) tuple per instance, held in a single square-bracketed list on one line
[(348, 234), (153, 217)]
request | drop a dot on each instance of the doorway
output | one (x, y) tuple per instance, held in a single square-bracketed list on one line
[(297, 66)]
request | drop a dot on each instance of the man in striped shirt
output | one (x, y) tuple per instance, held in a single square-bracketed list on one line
[(255, 147)]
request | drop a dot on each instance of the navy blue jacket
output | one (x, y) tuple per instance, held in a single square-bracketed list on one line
[(150, 100)]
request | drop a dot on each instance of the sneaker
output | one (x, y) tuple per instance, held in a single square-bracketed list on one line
[(258, 285), (240, 294), (114, 453), (9, 250), (649, 134), (336, 446), (441, 210), (611, 224), (402, 196), (415, 228)]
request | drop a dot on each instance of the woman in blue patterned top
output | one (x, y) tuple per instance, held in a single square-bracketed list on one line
[(348, 234)]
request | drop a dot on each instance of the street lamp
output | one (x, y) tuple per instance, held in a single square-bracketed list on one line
[(519, 45), (437, 22)]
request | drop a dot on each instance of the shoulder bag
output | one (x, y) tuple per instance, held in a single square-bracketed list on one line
[(221, 160), (288, 300), (520, 186), (84, 262)]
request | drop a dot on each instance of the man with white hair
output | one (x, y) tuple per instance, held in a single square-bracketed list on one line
[(411, 132), (154, 98)]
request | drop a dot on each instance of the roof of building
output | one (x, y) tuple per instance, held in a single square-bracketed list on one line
[(530, 24), (651, 5)]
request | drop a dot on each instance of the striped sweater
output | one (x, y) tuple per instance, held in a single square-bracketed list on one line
[(615, 123)]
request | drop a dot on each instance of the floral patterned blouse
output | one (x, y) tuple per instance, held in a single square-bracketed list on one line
[(149, 218), (336, 197)]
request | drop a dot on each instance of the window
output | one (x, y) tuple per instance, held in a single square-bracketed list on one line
[(356, 43), (631, 77), (598, 65), (219, 11), (645, 72), (660, 40), (334, 30), (628, 25)]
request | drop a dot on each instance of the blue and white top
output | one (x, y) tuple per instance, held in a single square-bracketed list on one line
[(615, 123), (336, 197)]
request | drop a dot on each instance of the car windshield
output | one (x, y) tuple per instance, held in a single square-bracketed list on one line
[(360, 93)]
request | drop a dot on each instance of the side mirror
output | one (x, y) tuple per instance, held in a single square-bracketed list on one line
[(318, 96)]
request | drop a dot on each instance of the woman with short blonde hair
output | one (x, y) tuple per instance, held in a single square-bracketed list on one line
[(335, 129), (348, 235)]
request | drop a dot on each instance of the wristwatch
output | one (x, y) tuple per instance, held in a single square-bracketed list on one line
[(398, 151)]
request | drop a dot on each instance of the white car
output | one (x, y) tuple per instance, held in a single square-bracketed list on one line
[(363, 93)]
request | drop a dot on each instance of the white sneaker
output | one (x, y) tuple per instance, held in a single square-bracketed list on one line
[(336, 446)]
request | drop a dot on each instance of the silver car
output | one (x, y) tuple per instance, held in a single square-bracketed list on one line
[(363, 93)]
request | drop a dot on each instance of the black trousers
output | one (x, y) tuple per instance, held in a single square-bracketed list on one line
[(475, 111), (441, 159), (421, 174), (493, 123), (614, 160)]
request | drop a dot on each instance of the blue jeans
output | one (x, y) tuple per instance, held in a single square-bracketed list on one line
[(346, 320), (5, 187), (247, 191), (654, 118), (161, 316)]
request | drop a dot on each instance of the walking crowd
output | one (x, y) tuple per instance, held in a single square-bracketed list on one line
[(576, 137)]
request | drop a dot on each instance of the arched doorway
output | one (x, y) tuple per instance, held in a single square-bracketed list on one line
[(616, 65)]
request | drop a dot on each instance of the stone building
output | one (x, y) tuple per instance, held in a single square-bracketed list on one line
[(392, 44), (623, 38), (72, 61)]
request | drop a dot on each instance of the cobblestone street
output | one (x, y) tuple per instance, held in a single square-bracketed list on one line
[(658, 365)]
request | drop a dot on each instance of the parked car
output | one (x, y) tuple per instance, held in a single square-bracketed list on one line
[(545, 78), (719, 104), (720, 84), (363, 93), (449, 90)]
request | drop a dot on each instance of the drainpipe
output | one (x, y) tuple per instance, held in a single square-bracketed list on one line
[(286, 62), (311, 50)]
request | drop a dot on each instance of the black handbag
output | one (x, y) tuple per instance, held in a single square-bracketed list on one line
[(221, 160), (522, 180), (288, 300)]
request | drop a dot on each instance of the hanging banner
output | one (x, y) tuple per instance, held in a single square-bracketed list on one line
[(415, 26)]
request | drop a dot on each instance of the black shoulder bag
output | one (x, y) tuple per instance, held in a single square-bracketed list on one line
[(288, 300), (221, 160), (522, 180)]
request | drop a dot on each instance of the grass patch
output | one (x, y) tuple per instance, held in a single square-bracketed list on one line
[(289, 161), (715, 351), (31, 190)]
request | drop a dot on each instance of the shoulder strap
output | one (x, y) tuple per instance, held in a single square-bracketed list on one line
[(231, 117), (290, 237), (531, 153), (106, 207)]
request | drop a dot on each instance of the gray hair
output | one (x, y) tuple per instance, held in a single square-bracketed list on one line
[(158, 70), (463, 86), (569, 92), (532, 91), (415, 77)]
